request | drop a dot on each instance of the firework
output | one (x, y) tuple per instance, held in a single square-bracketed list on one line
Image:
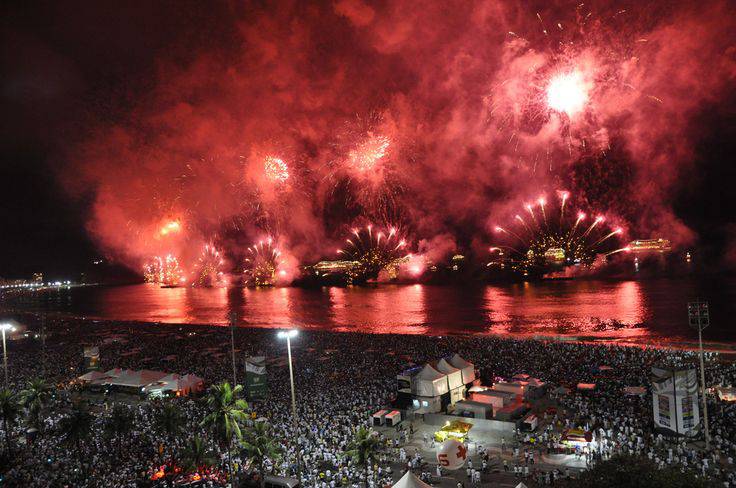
[(553, 241), (275, 169), (263, 264), (373, 250), (164, 271), (369, 152), (170, 227), (568, 93), (208, 269)]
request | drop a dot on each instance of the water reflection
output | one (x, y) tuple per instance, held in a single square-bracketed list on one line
[(390, 309), (648, 311)]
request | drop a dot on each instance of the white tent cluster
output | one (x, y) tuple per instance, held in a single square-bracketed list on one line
[(152, 383), (427, 385)]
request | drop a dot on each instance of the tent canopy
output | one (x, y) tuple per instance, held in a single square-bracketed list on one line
[(429, 382), (409, 480), (454, 375), (468, 369)]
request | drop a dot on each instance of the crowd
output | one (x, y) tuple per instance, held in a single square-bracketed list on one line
[(340, 380)]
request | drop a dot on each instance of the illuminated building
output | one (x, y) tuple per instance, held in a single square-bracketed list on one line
[(650, 245), (334, 267)]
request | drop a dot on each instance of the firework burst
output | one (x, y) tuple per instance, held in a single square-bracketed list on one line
[(208, 269), (369, 152), (164, 271), (275, 169), (263, 266), (373, 250), (548, 239)]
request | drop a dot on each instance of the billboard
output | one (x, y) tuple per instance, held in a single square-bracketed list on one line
[(91, 358), (675, 401), (256, 380)]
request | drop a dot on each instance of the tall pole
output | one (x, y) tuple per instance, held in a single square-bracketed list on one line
[(702, 383), (43, 345), (293, 409), (233, 319), (5, 358), (700, 318)]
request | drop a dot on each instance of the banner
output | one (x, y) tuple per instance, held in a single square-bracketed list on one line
[(256, 380), (675, 401), (91, 358)]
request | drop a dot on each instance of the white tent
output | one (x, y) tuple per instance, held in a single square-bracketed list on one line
[(521, 485), (410, 480), (454, 375), (176, 384), (429, 382), (135, 379), (467, 369), (91, 376)]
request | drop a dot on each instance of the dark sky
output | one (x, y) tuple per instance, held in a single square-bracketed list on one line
[(67, 63), (64, 63)]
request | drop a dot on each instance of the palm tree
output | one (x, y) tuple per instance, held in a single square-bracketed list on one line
[(197, 455), (9, 410), (76, 427), (35, 398), (169, 422), (363, 448), (259, 444), (225, 414), (119, 423)]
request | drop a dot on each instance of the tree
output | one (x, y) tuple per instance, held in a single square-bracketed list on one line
[(363, 448), (259, 445), (622, 471), (76, 427), (119, 423), (226, 412), (9, 410), (169, 420), (197, 455), (35, 398)]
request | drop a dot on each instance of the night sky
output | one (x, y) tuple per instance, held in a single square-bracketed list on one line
[(69, 66)]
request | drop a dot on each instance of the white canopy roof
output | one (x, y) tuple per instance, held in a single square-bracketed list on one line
[(91, 376), (468, 369), (409, 480), (175, 382), (429, 382), (454, 375)]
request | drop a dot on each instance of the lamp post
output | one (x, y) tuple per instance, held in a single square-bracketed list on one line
[(6, 328), (700, 319), (233, 319), (288, 334)]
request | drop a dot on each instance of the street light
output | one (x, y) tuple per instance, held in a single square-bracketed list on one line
[(288, 334), (6, 328), (699, 318)]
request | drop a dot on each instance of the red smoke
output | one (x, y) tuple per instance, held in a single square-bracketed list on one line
[(436, 116)]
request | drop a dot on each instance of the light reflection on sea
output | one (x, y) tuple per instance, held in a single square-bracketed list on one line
[(645, 312)]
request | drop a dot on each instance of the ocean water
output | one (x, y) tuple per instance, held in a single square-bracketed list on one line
[(642, 312)]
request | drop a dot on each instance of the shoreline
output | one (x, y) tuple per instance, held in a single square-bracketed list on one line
[(727, 350)]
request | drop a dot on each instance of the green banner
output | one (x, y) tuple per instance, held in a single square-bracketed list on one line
[(256, 380)]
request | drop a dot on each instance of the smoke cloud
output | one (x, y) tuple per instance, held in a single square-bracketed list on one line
[(432, 116)]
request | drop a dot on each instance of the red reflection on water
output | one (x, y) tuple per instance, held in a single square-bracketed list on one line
[(269, 307), (385, 310), (613, 310)]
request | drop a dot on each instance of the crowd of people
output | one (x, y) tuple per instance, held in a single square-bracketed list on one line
[(340, 380)]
